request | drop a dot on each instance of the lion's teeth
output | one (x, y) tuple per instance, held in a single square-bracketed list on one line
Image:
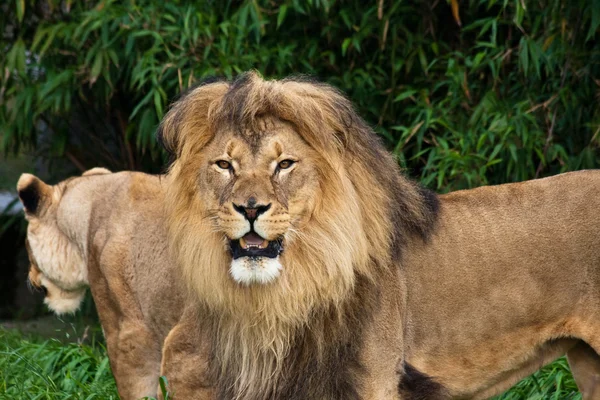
[(245, 245)]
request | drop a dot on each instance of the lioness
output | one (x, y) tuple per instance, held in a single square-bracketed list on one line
[(327, 274), (106, 231)]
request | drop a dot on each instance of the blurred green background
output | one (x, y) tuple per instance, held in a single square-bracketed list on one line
[(465, 93)]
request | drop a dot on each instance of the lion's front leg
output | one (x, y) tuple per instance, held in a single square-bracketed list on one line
[(185, 361), (135, 359)]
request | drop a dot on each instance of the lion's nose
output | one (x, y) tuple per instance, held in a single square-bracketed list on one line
[(251, 210)]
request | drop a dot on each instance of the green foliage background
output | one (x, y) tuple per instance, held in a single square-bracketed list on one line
[(465, 93)]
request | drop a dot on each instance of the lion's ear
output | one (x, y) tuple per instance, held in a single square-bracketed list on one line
[(96, 171), (34, 194)]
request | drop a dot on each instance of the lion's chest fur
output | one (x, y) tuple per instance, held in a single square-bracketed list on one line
[(325, 359)]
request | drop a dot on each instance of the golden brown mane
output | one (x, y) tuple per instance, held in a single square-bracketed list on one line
[(311, 318)]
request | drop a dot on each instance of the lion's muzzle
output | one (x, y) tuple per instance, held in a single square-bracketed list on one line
[(252, 244)]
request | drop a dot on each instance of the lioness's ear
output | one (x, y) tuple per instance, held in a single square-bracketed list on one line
[(96, 171), (189, 115), (33, 193)]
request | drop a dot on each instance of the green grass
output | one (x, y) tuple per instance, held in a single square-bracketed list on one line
[(33, 368), (553, 382), (48, 369)]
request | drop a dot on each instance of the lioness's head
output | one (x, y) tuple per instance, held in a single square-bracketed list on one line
[(280, 194), (57, 261)]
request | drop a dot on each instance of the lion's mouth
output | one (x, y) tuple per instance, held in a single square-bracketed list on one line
[(252, 245)]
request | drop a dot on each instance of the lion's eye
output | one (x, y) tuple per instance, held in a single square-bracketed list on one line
[(224, 164), (285, 164)]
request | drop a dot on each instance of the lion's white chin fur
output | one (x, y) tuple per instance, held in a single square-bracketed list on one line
[(255, 270), (65, 302)]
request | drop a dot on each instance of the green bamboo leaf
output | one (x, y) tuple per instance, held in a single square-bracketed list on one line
[(524, 55), (20, 10), (96, 67), (40, 33), (53, 82), (494, 153), (536, 54), (478, 59), (513, 152), (281, 15), (158, 104), (405, 95), (113, 56), (422, 59), (356, 45), (51, 34), (20, 61), (129, 44), (595, 22), (345, 45), (16, 58)]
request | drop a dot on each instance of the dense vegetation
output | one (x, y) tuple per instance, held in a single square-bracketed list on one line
[(465, 93), (75, 368), (49, 369)]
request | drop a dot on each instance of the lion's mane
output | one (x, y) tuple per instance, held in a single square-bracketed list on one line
[(298, 337)]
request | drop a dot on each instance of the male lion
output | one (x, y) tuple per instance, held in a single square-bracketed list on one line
[(326, 274), (106, 231)]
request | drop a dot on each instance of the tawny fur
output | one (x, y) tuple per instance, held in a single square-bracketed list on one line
[(385, 291), (106, 231)]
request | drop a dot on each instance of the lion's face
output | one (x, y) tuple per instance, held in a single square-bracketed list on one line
[(259, 188)]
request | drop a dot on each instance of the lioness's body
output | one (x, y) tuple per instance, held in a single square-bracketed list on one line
[(507, 270), (106, 230), (133, 283), (508, 281)]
